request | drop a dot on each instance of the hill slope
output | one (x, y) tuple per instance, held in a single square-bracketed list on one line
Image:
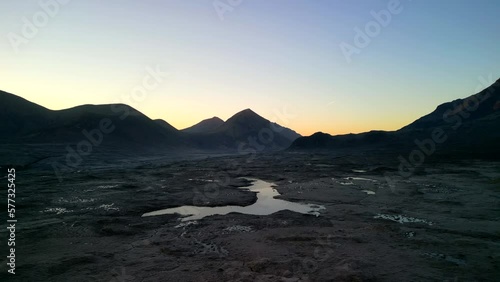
[(471, 127), (246, 129), (472, 108), (120, 125), (205, 126), (20, 116)]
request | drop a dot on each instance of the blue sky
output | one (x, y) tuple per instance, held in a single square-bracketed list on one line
[(271, 56)]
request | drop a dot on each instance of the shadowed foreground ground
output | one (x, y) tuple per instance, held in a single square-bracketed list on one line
[(441, 224)]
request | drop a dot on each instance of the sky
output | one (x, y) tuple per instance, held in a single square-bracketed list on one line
[(332, 66)]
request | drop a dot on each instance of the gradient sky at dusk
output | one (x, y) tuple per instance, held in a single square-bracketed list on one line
[(270, 56)]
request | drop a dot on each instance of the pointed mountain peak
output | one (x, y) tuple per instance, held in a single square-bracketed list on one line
[(247, 116), (215, 119), (247, 112)]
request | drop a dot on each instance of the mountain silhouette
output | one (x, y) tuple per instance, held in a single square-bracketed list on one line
[(478, 106), (20, 116), (471, 127), (244, 123), (246, 129), (247, 122), (324, 141), (165, 125), (26, 122), (205, 126)]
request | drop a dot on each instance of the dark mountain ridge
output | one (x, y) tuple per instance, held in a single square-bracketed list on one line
[(474, 107), (26, 122), (205, 126), (471, 126), (122, 126), (249, 130)]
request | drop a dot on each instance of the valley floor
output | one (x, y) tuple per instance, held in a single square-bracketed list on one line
[(440, 224)]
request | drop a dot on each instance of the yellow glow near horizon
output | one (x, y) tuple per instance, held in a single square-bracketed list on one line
[(266, 57), (173, 110)]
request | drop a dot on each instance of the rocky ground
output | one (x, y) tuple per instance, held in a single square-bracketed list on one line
[(440, 224)]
